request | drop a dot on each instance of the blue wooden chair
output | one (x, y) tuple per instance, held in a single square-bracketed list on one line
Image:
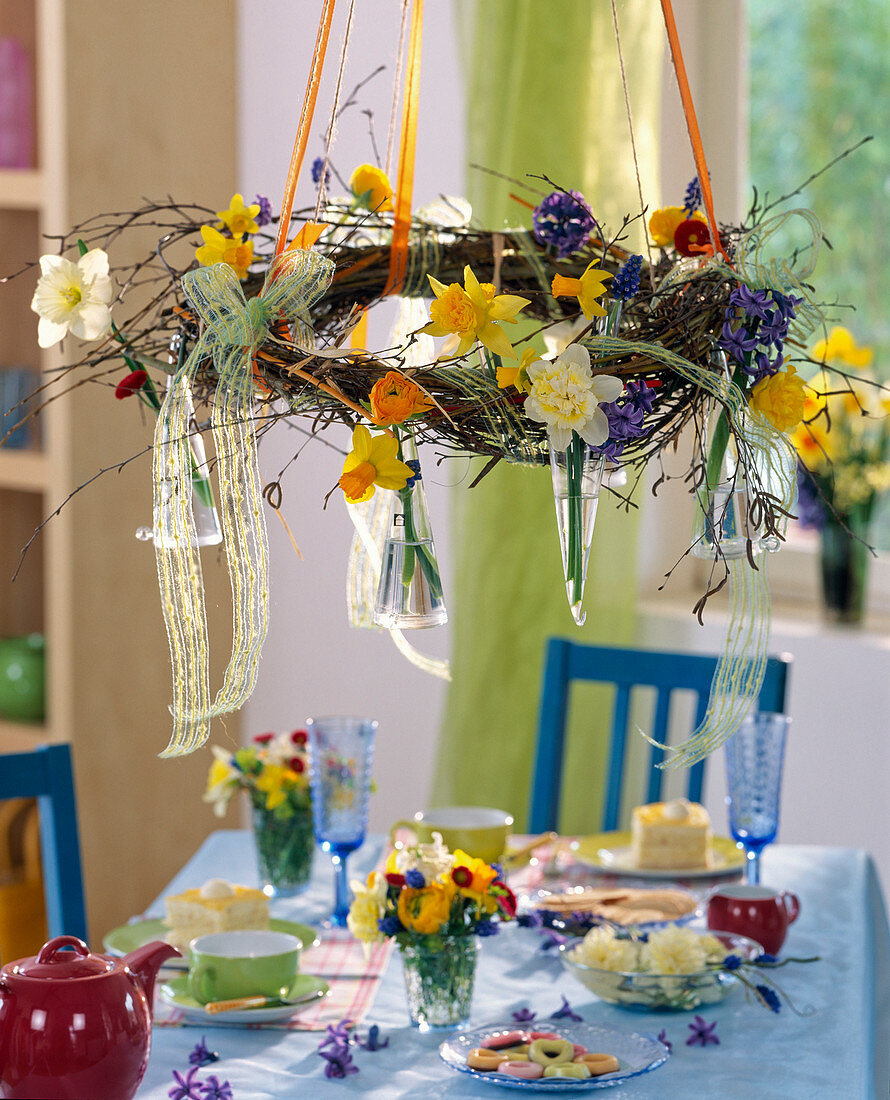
[(625, 668), (45, 774)]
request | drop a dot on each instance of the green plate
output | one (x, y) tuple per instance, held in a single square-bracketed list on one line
[(123, 940), (305, 991), (612, 852)]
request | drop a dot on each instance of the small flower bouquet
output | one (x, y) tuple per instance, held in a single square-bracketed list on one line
[(274, 770), (673, 968), (842, 446), (433, 903)]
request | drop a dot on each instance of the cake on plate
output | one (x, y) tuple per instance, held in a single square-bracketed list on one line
[(217, 906), (671, 836)]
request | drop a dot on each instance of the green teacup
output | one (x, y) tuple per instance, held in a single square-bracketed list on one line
[(226, 965), (477, 830)]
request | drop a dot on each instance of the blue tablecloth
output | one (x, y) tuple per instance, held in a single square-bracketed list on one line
[(841, 1051)]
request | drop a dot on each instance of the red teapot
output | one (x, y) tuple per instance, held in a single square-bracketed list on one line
[(76, 1025)]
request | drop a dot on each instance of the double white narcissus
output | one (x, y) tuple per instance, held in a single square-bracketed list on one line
[(565, 395), (72, 297)]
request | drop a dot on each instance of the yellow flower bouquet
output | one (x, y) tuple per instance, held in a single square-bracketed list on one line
[(433, 903)]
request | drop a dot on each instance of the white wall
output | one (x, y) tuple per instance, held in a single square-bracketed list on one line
[(313, 663)]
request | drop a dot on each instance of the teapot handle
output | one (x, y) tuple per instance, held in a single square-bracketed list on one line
[(53, 947)]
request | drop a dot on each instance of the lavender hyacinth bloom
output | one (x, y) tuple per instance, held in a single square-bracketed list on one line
[(563, 221), (265, 214)]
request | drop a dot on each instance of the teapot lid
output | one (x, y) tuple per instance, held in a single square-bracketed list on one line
[(55, 961)]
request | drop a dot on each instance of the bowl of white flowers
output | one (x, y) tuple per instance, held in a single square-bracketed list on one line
[(675, 968)]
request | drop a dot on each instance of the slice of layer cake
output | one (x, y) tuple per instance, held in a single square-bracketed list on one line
[(217, 906), (671, 836)]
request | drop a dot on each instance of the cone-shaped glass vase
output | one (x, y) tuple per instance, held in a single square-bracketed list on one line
[(577, 474), (409, 595), (577, 479)]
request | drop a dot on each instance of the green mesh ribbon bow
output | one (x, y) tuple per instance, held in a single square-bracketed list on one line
[(232, 329)]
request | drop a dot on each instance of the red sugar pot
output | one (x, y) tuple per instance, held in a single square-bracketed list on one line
[(758, 912), (76, 1025)]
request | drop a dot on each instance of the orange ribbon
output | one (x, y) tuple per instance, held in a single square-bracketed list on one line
[(306, 115), (398, 254), (698, 149)]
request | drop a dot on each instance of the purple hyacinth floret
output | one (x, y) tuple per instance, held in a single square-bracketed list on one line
[(627, 282), (702, 1033), (185, 1088), (773, 328), (640, 395), (563, 221), (390, 925), (201, 1055), (737, 342), (662, 1038), (754, 303), (415, 879), (810, 509), (318, 166), (336, 1035), (214, 1089), (338, 1062), (564, 1012), (692, 199), (265, 214)]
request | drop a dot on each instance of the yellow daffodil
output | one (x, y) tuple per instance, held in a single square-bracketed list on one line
[(779, 398), (372, 461), (217, 249), (841, 347), (472, 312), (663, 224), (425, 910), (565, 395), (586, 289), (72, 297), (394, 398), (518, 376), (239, 219), (272, 782), (371, 188), (367, 908)]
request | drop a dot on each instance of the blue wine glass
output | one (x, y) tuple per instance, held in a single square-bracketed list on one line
[(341, 754), (754, 756)]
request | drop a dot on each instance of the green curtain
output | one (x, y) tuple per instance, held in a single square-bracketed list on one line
[(544, 96)]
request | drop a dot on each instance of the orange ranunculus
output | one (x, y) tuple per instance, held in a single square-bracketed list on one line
[(394, 398), (426, 910)]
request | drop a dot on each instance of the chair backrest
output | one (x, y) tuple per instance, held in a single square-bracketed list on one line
[(45, 774), (625, 668)]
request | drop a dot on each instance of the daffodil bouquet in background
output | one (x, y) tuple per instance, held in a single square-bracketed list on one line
[(273, 769), (843, 444), (428, 894)]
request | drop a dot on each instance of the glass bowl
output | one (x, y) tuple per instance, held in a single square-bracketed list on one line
[(647, 992)]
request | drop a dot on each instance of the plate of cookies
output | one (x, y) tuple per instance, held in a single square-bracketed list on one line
[(574, 1058), (577, 909)]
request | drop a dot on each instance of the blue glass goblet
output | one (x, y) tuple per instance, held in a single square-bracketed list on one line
[(341, 754), (754, 756)]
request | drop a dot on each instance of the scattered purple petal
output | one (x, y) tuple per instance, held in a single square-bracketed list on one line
[(564, 1012), (336, 1035), (524, 1016), (702, 1033), (201, 1055), (662, 1038), (186, 1088), (551, 939)]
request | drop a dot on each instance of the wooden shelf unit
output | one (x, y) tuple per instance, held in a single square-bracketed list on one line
[(122, 112)]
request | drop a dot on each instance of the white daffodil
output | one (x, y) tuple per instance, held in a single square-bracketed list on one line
[(565, 395), (72, 297)]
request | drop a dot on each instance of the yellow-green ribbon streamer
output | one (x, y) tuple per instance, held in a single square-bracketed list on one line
[(233, 327), (769, 459)]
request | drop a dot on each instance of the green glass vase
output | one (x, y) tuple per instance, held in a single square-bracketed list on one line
[(439, 976), (843, 561), (285, 847)]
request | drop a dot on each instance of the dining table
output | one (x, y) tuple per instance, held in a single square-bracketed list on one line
[(831, 1037)]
